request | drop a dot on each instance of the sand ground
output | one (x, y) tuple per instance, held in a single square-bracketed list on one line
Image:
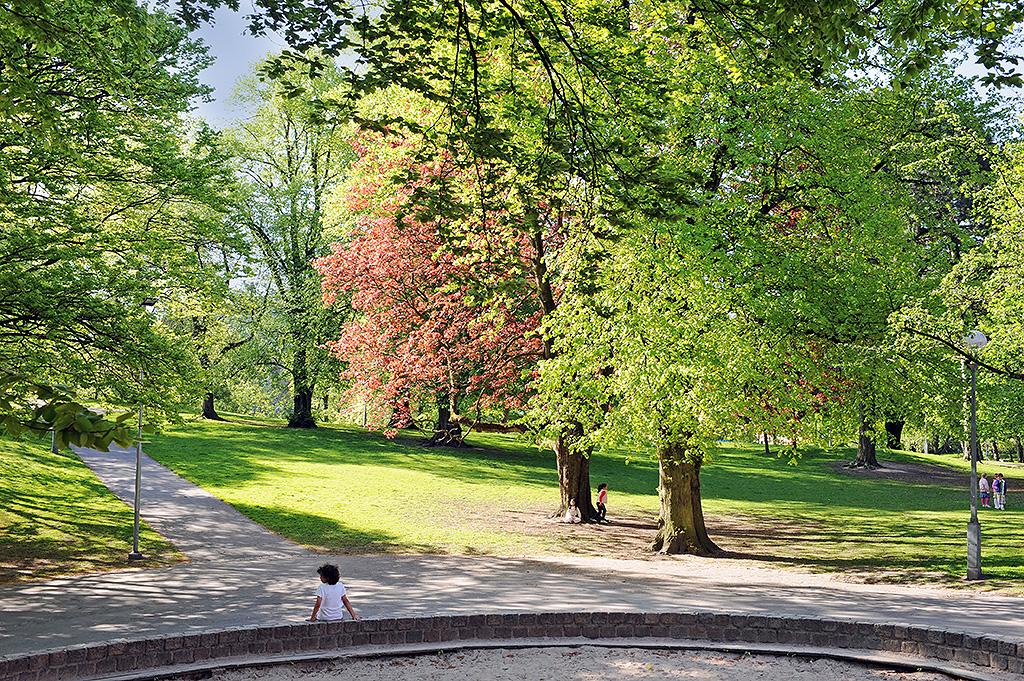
[(580, 664)]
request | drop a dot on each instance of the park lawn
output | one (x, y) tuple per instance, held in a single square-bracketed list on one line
[(57, 518), (341, 489)]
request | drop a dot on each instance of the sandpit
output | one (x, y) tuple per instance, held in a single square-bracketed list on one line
[(583, 663)]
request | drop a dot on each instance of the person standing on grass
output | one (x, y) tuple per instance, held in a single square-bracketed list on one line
[(999, 492), (331, 598), (602, 501), (983, 490)]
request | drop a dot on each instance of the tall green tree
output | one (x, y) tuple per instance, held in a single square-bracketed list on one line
[(106, 193), (289, 157), (749, 298), (981, 289)]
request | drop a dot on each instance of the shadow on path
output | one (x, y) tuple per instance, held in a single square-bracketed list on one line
[(196, 597)]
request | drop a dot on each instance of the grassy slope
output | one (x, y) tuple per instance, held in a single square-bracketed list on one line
[(345, 490), (57, 518)]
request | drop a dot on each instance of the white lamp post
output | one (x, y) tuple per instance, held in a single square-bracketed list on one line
[(148, 304), (975, 340)]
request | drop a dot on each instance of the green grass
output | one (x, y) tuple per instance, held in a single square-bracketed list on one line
[(57, 518), (344, 490)]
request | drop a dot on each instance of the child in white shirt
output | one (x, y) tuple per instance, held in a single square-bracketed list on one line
[(331, 597), (572, 514)]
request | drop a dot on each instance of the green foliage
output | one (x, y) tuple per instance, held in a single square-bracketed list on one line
[(986, 288), (288, 158), (752, 297), (580, 48), (37, 409), (933, 142), (106, 196), (983, 288)]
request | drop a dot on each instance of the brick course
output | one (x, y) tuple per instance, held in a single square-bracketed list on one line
[(78, 663)]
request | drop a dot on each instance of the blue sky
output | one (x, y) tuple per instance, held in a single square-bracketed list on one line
[(235, 53)]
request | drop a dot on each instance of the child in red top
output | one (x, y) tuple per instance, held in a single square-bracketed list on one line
[(602, 500)]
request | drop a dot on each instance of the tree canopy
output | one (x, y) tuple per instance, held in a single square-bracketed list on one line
[(106, 195)]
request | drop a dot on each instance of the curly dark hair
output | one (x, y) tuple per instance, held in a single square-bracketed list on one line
[(329, 573)]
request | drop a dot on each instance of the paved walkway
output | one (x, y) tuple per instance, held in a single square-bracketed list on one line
[(241, 574), (202, 526)]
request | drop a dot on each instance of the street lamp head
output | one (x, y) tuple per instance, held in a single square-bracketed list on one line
[(148, 304), (975, 339)]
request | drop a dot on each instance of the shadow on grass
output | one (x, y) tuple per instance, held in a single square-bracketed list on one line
[(57, 518), (240, 458), (327, 535), (733, 475), (908, 553), (806, 514)]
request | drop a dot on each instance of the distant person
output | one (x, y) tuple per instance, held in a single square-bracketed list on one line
[(331, 601), (602, 501), (999, 492), (983, 491), (572, 514)]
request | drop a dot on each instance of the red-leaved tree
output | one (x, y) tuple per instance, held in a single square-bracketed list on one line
[(424, 331), (450, 298)]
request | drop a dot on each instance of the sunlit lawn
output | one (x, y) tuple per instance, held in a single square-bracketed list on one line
[(345, 490), (57, 518)]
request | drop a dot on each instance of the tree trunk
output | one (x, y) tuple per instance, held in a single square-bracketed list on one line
[(866, 455), (995, 450), (302, 393), (198, 334), (573, 477), (767, 449), (1020, 450), (894, 434), (447, 433), (302, 410), (573, 466), (209, 409), (965, 449), (681, 525)]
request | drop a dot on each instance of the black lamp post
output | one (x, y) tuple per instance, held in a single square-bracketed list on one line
[(148, 304), (974, 340)]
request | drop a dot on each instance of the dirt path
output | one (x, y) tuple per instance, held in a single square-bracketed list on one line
[(923, 473)]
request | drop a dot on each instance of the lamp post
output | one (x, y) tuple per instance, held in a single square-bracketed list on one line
[(148, 304), (974, 340)]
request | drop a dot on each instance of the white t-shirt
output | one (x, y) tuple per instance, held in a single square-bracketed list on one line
[(331, 607), (983, 485)]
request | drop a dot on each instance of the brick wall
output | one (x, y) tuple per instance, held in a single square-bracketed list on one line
[(98, 660)]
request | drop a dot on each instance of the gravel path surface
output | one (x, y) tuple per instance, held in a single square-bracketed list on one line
[(580, 664)]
